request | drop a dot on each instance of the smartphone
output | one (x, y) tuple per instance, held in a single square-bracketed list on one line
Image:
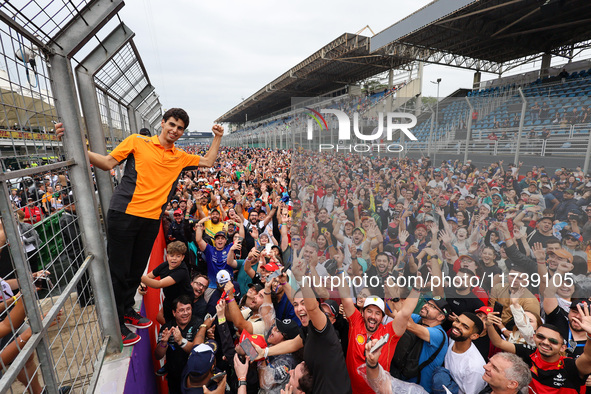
[(249, 349), (274, 275), (268, 247), (215, 379), (44, 283), (261, 248), (498, 307), (240, 239), (381, 342)]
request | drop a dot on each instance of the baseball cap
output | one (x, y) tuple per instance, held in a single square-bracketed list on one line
[(178, 212), (332, 305), (526, 192), (223, 277), (360, 229), (271, 267), (466, 256), (200, 360), (441, 304), (484, 309), (576, 236), (220, 234), (288, 327), (579, 301), (421, 225), (562, 253), (547, 186), (569, 191), (373, 300), (175, 200), (470, 196), (255, 286)]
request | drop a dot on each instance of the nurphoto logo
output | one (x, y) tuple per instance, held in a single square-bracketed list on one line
[(393, 122)]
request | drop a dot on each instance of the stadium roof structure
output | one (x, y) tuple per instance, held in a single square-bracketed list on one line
[(483, 35)]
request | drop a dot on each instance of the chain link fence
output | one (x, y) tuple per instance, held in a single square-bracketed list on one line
[(57, 313)]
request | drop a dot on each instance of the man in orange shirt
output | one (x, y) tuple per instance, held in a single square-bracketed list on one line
[(151, 172)]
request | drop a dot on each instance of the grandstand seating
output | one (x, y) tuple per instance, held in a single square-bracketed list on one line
[(502, 104)]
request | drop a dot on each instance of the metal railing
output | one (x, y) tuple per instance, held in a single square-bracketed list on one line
[(57, 311)]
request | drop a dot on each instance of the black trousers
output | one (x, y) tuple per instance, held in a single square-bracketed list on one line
[(129, 245)]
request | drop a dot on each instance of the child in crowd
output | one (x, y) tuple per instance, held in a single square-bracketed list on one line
[(174, 277)]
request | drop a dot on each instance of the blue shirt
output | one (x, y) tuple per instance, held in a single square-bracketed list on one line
[(216, 260), (436, 335)]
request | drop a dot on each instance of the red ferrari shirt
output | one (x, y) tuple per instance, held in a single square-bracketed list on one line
[(356, 350)]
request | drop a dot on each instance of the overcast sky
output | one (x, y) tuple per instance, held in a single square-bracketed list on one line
[(205, 56)]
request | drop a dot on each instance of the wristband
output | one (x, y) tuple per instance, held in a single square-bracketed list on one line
[(242, 379), (588, 337), (371, 366), (221, 320), (165, 344), (202, 326), (15, 300), (230, 300), (269, 293), (283, 284), (416, 289), (242, 383)]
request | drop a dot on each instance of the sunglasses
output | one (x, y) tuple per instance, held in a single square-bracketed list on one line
[(542, 337)]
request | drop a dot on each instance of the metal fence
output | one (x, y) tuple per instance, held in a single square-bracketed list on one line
[(57, 312)]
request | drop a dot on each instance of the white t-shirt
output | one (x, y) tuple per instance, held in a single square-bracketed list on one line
[(466, 368)]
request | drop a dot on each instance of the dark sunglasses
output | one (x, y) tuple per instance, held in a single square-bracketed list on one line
[(542, 337)]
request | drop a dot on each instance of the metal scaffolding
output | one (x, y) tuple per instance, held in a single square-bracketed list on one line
[(52, 237)]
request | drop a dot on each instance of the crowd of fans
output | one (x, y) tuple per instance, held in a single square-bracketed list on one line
[(290, 269), (294, 272)]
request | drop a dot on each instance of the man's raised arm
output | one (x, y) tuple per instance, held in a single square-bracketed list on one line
[(212, 153)]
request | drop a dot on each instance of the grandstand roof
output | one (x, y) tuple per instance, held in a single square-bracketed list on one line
[(486, 35), (343, 61), (495, 30)]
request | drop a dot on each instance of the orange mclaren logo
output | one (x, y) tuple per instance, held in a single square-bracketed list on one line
[(360, 339)]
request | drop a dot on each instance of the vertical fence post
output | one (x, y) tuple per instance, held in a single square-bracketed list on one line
[(468, 130), (67, 104), (520, 131), (587, 155)]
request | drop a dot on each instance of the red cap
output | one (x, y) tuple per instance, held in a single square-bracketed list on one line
[(258, 340), (484, 309), (271, 267), (178, 212)]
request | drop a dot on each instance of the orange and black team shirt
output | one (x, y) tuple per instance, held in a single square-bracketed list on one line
[(150, 174), (560, 377)]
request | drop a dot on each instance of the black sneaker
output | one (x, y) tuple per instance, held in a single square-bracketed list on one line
[(162, 371), (129, 338), (134, 319)]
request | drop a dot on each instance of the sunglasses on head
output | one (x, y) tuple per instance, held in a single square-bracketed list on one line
[(542, 337)]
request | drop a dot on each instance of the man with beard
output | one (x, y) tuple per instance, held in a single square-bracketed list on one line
[(427, 327), (199, 284), (218, 257), (463, 361), (567, 322), (552, 373), (367, 325), (214, 225), (377, 275)]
